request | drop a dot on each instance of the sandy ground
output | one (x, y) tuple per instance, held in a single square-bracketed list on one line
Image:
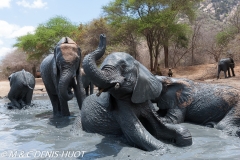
[(203, 73)]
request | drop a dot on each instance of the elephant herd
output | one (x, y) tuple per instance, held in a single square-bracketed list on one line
[(146, 109)]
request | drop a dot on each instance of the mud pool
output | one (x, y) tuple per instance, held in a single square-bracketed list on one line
[(34, 133)]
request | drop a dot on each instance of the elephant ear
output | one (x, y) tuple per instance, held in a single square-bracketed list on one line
[(54, 63), (78, 72), (147, 86)]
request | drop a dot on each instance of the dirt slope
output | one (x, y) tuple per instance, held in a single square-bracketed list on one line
[(206, 73)]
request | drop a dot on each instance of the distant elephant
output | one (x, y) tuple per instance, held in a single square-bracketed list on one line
[(224, 65), (87, 84), (213, 105), (125, 107), (60, 73), (22, 84)]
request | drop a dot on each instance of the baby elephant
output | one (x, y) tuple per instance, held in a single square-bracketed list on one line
[(22, 84)]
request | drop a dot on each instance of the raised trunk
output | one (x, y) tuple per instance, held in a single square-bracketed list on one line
[(97, 76), (63, 86)]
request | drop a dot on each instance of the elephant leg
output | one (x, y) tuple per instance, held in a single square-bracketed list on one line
[(28, 97), (233, 74), (174, 116), (79, 92), (64, 107), (91, 88), (12, 97), (230, 123), (225, 74), (133, 130), (87, 90), (55, 103), (176, 133), (228, 70)]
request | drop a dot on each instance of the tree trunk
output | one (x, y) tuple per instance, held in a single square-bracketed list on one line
[(34, 70), (165, 47)]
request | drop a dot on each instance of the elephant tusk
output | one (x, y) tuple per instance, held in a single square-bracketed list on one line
[(75, 80), (117, 86), (99, 92)]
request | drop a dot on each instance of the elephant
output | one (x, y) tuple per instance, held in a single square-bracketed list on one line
[(61, 73), (87, 84), (224, 65), (22, 84), (212, 105), (122, 106)]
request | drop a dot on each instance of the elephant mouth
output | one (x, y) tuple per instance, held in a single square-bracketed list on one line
[(114, 85)]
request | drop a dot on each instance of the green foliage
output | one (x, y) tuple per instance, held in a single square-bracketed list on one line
[(223, 37), (46, 36), (156, 20)]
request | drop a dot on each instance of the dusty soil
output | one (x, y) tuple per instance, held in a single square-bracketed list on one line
[(203, 73), (206, 73)]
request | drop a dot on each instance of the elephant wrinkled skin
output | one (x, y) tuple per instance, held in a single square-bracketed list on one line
[(124, 107), (213, 105), (60, 73), (22, 84)]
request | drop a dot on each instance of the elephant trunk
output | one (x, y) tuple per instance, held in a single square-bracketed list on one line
[(97, 76), (64, 89)]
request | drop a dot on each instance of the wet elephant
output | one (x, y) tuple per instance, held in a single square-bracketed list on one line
[(213, 105), (225, 65), (87, 84), (123, 106), (60, 73), (22, 84)]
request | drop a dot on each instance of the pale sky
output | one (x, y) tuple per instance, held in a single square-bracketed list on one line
[(18, 17)]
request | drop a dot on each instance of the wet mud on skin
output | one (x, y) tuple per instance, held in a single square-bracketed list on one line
[(34, 129)]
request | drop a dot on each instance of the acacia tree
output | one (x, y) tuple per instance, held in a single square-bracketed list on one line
[(156, 20), (117, 40), (46, 36)]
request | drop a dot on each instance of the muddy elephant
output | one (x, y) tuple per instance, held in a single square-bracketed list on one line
[(60, 73), (213, 105), (122, 106), (22, 84), (225, 65), (87, 84)]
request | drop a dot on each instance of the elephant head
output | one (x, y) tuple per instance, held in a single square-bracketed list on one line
[(132, 86), (66, 64), (121, 75)]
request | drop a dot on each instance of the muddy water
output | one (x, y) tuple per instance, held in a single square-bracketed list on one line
[(32, 133)]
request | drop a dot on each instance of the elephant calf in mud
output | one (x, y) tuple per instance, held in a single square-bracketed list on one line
[(213, 105), (22, 84), (123, 106), (61, 73)]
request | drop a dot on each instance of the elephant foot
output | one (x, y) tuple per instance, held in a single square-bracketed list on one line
[(183, 136)]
